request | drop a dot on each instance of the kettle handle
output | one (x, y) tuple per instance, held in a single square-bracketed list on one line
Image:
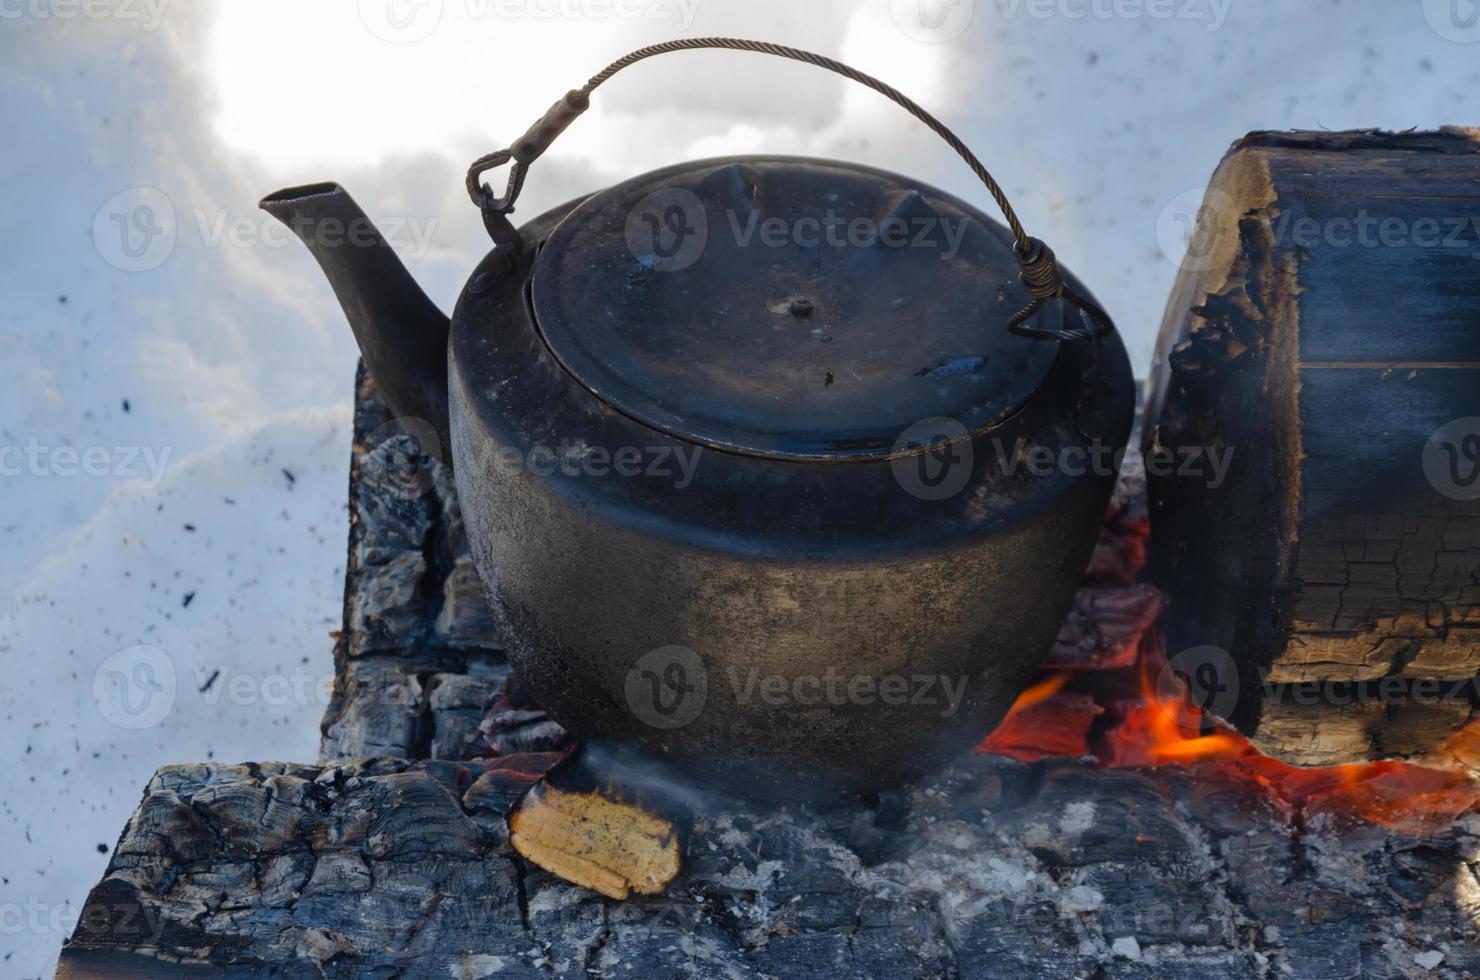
[(1040, 275)]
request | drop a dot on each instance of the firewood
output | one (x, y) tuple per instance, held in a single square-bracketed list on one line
[(1103, 627), (418, 663), (991, 868), (596, 841), (1324, 332)]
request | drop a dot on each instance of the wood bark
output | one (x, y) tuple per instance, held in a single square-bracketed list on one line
[(1324, 330)]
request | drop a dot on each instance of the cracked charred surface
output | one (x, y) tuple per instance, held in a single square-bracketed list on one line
[(396, 868), (418, 662), (1326, 562), (404, 868)]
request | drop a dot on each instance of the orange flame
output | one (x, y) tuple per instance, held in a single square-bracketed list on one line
[(1155, 730), (1057, 715), (1159, 727), (1038, 693)]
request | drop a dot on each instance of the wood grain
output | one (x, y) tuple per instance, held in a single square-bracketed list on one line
[(1325, 326)]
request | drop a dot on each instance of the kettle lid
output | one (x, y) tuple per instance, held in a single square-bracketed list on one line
[(787, 307)]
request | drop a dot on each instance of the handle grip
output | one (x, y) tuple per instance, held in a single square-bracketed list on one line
[(1040, 275)]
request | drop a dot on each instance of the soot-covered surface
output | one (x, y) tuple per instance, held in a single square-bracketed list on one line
[(401, 866)]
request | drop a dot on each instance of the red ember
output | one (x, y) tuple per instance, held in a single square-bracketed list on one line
[(1153, 727)]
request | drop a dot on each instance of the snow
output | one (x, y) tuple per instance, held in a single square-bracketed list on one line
[(198, 371)]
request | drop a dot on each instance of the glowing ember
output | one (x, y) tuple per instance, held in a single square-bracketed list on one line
[(1155, 725), (1043, 722), (1463, 746)]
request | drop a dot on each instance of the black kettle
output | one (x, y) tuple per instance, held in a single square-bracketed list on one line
[(783, 471)]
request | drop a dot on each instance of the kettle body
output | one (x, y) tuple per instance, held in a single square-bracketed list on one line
[(782, 471)]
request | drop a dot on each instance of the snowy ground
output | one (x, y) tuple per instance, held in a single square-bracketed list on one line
[(175, 390)]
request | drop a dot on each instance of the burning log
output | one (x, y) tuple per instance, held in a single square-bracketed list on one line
[(1321, 341), (1166, 847), (1045, 721), (992, 868), (1104, 627)]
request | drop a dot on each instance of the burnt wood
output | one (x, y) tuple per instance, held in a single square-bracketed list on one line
[(417, 662), (1324, 329), (401, 867), (1057, 869)]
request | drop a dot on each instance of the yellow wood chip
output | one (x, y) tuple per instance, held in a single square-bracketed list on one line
[(605, 845)]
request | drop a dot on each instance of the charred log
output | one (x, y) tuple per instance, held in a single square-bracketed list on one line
[(1058, 867), (996, 868), (1322, 341)]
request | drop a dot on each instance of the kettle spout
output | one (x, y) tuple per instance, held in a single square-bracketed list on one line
[(401, 333)]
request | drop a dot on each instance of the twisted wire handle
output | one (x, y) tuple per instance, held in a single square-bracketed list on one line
[(1040, 275)]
